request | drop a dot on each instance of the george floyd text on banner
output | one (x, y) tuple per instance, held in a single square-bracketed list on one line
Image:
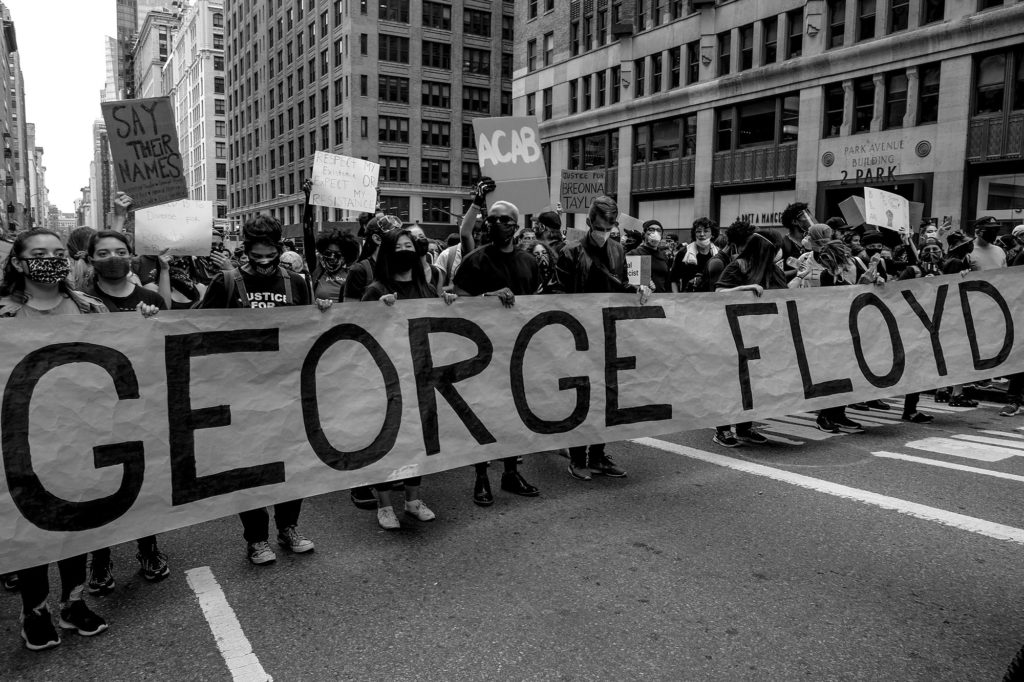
[(114, 428)]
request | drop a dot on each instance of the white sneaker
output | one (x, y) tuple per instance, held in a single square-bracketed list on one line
[(419, 510), (260, 553), (387, 519)]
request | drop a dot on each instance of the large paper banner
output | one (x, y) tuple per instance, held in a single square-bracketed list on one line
[(113, 427), (144, 145), (344, 182), (184, 228), (579, 189), (885, 209), (509, 151)]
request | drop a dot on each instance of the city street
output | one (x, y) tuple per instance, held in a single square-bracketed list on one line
[(889, 555)]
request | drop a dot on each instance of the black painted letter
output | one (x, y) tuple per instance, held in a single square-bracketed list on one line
[(933, 324), (613, 364), (811, 389), (744, 353), (983, 287), (899, 360)]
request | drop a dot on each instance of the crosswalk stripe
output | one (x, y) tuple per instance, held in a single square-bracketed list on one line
[(948, 465), (790, 427), (990, 529), (961, 448), (1002, 442), (1004, 434)]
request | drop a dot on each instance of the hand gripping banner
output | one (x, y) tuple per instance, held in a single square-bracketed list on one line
[(114, 427)]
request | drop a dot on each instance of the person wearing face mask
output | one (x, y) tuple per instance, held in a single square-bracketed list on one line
[(361, 273), (435, 275), (616, 235), (546, 259), (501, 270), (986, 255), (652, 246), (808, 265), (796, 220), (263, 283), (596, 265), (1015, 256), (631, 239), (35, 285), (206, 267), (336, 253), (690, 269)]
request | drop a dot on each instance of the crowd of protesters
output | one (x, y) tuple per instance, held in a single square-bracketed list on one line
[(492, 255)]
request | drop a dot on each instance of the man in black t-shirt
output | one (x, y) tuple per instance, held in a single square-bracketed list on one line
[(263, 283), (499, 269)]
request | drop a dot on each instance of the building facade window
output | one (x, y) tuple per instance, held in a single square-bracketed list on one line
[(795, 42), (675, 67), (656, 72), (835, 103), (476, 22), (531, 56), (437, 209), (670, 138), (758, 123), (836, 23), (435, 172), (546, 96), (549, 48), (932, 11), (437, 55), (476, 99), (899, 15), (928, 93), (436, 133), (615, 85), (574, 96), (392, 129), (594, 152), (393, 49), (640, 76), (437, 16), (895, 99), (999, 82), (476, 61), (394, 169), (866, 10), (395, 10), (863, 104), (724, 52), (393, 89), (531, 104), (770, 40), (437, 94)]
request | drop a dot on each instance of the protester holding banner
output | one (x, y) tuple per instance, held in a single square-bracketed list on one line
[(651, 246), (336, 254), (550, 230), (796, 220), (808, 265), (263, 283), (361, 273), (690, 266), (435, 275), (501, 270), (35, 285), (596, 264), (986, 255), (399, 275), (546, 259)]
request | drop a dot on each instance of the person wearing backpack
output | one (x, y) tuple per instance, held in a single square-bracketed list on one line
[(263, 283)]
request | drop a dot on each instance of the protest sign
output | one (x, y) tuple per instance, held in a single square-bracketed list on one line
[(574, 235), (344, 182), (183, 227), (196, 415), (638, 270), (579, 189), (509, 151), (885, 209), (144, 146), (628, 222)]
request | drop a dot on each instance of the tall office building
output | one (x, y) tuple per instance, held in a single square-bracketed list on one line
[(101, 180), (360, 78), (735, 109), (131, 16), (192, 74), (151, 50)]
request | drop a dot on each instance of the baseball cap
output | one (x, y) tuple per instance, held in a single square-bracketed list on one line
[(986, 221), (550, 220)]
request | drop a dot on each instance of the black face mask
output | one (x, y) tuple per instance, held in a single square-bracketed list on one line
[(501, 229), (989, 234), (405, 260), (265, 268)]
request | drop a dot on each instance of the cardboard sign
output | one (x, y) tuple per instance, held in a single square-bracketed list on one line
[(144, 147), (345, 183), (574, 235), (638, 270), (579, 189), (853, 210), (116, 429), (509, 151), (184, 227), (887, 210), (628, 222)]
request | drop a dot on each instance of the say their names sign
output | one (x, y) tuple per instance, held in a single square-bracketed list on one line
[(144, 146), (509, 151), (885, 209), (344, 182), (579, 189), (183, 228)]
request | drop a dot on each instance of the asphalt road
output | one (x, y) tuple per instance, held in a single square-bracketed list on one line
[(768, 563)]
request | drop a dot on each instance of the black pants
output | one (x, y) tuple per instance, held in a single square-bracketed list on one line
[(1015, 391), (101, 557), (910, 404), (388, 485), (742, 427), (833, 413), (34, 583), (511, 466), (578, 454), (256, 522)]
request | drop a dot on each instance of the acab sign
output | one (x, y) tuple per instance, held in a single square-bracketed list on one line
[(509, 149)]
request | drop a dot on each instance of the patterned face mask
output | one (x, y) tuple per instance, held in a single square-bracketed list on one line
[(46, 270)]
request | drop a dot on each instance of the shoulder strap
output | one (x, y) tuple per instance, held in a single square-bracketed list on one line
[(236, 282), (287, 286)]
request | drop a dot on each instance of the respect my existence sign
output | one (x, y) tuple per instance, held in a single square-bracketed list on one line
[(144, 146), (344, 182), (196, 415), (579, 189), (509, 152)]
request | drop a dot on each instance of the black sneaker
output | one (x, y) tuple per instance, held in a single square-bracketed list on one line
[(363, 497), (604, 466), (878, 405), (153, 564), (859, 406), (918, 418), (37, 629), (962, 401), (9, 581), (942, 395), (825, 424), (725, 439), (482, 495), (751, 436), (847, 425), (75, 615), (101, 578)]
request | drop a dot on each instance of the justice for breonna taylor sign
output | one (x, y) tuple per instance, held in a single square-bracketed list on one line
[(115, 428)]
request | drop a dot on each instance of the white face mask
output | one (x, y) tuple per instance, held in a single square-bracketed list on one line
[(599, 237), (704, 241), (653, 238)]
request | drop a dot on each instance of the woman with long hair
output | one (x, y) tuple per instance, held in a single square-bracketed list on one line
[(399, 275)]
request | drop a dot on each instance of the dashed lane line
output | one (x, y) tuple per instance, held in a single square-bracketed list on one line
[(970, 524), (231, 640)]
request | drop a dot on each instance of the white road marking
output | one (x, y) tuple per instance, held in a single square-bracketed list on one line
[(941, 516), (232, 642), (1004, 434), (1002, 442), (798, 428), (948, 465), (962, 448)]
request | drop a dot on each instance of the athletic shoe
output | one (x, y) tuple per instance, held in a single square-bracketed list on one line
[(260, 553), (419, 511), (825, 424), (153, 564), (751, 436), (962, 401), (1011, 410), (291, 539), (725, 438), (387, 519), (75, 615), (363, 498), (513, 482), (37, 629), (482, 496), (859, 406), (847, 425), (918, 418), (101, 579), (10, 581), (604, 466), (878, 405), (942, 395), (580, 472)]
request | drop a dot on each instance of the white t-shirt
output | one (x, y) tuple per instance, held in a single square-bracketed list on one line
[(989, 257)]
